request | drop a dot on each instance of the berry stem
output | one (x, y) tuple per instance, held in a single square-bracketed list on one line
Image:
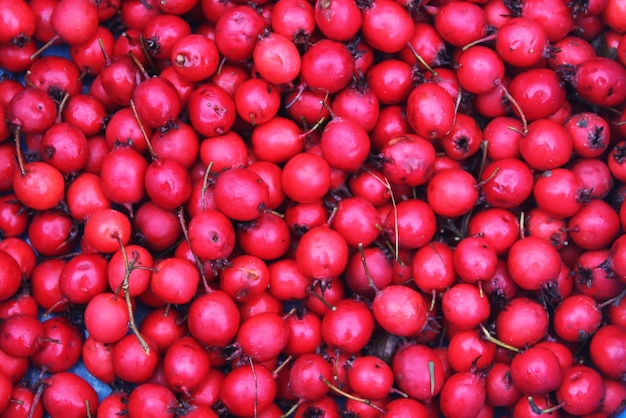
[(535, 408), (321, 299), (281, 366), (66, 97), (153, 153), (350, 396), (480, 41), (370, 281), (421, 60), (496, 341), (205, 185), (45, 46), (142, 43), (291, 410), (385, 182), (484, 147), (139, 65), (199, 266), (107, 59), (18, 150), (36, 400), (615, 300), (256, 387), (129, 305), (516, 105), (431, 374)]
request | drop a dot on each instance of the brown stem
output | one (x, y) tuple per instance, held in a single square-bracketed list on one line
[(129, 305), (350, 396), (311, 130), (36, 400), (431, 374), (199, 266), (535, 408), (139, 65), (615, 299), (516, 105), (370, 281), (385, 182), (484, 146), (488, 179), (66, 97), (292, 409), (107, 59), (321, 299), (281, 366), (256, 387), (332, 215), (18, 150), (457, 105), (45, 46), (479, 41), (496, 341), (27, 81), (142, 43), (153, 153), (421, 60), (205, 185)]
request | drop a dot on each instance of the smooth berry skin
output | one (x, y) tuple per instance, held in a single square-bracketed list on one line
[(116, 326), (67, 393), (211, 235), (400, 310), (380, 33), (533, 262), (408, 159), (40, 186), (247, 388), (606, 351), (538, 92), (276, 58), (349, 327), (370, 377), (327, 65), (536, 371), (214, 319), (84, 12), (480, 68), (576, 317), (21, 335), (10, 276), (464, 306), (582, 390), (186, 363), (304, 377), (151, 398), (59, 356), (194, 57), (132, 362), (211, 110), (322, 253), (463, 390), (522, 314), (430, 111), (452, 192)]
